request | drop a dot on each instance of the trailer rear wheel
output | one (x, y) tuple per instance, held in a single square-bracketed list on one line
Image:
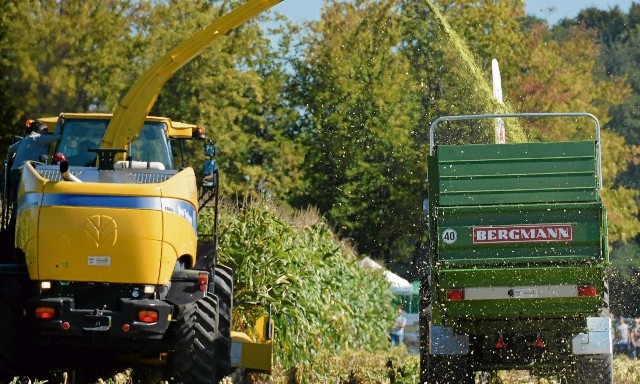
[(223, 289), (424, 320), (594, 369), (445, 369), (194, 360)]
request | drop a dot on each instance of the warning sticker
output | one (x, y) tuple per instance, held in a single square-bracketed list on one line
[(99, 261)]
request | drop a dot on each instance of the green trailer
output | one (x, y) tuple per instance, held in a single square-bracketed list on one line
[(517, 257)]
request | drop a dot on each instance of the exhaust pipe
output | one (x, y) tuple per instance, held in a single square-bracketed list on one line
[(66, 175)]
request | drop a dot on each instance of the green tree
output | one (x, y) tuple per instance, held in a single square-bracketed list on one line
[(623, 279), (492, 29), (611, 24), (9, 115), (68, 56), (236, 90), (450, 46), (619, 36), (363, 167)]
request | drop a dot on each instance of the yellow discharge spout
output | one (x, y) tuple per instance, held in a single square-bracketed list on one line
[(131, 112)]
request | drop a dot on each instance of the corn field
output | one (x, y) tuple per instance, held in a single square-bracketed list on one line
[(390, 365), (320, 297)]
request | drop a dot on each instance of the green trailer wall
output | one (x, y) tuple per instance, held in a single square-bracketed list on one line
[(516, 215)]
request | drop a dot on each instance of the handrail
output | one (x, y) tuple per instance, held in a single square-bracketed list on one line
[(435, 122)]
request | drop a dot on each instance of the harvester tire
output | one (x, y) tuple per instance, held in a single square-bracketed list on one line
[(194, 360), (8, 342), (594, 369), (223, 289)]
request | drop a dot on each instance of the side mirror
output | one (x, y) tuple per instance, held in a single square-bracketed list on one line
[(425, 208), (209, 168), (210, 149), (425, 212)]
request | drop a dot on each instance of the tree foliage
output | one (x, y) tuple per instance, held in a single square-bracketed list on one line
[(236, 90), (359, 112), (69, 56), (321, 298), (450, 46), (624, 280), (617, 34)]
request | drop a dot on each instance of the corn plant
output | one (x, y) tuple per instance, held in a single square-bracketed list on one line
[(321, 298)]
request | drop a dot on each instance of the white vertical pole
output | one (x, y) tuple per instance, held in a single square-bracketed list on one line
[(497, 93)]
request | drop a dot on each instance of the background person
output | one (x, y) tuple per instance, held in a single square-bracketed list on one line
[(397, 331), (623, 338), (635, 339)]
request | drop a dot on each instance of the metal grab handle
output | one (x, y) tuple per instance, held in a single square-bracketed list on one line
[(435, 122)]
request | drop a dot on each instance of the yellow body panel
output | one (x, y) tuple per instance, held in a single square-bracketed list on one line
[(175, 129), (108, 232), (95, 245), (253, 355), (182, 186), (26, 239), (178, 240)]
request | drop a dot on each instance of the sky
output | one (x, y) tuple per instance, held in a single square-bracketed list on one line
[(551, 10)]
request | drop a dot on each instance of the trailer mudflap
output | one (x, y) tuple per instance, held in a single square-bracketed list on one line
[(596, 340), (445, 342)]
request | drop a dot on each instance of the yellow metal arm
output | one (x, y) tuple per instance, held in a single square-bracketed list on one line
[(129, 117)]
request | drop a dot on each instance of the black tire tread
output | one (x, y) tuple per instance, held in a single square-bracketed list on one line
[(223, 289), (196, 335)]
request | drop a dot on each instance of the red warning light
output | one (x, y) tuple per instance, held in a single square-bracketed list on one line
[(45, 313), (148, 316), (539, 343), (587, 290), (455, 294)]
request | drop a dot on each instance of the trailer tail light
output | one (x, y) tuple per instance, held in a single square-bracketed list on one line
[(455, 294), (45, 313), (148, 316), (203, 281), (587, 291), (500, 344), (539, 343)]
